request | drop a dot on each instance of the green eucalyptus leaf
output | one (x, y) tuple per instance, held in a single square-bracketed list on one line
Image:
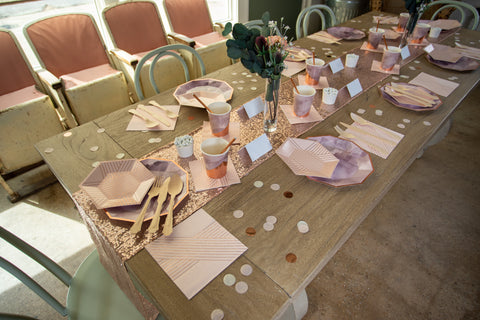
[(266, 17), (227, 29), (234, 52), (240, 32)]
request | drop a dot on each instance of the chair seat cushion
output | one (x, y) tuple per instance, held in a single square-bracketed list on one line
[(20, 96), (72, 80), (208, 38)]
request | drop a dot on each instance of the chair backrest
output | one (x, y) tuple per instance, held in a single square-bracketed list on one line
[(189, 17), (14, 67), (135, 26), (169, 50), (303, 19), (67, 43), (462, 7)]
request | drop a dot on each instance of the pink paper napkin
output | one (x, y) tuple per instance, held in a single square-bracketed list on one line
[(324, 36), (377, 66), (438, 85), (379, 48), (203, 182), (196, 252), (137, 124), (445, 24), (233, 132), (313, 116), (322, 82), (293, 67)]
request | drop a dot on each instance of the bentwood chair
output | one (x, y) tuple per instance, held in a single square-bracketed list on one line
[(70, 47), (27, 115), (327, 19), (158, 54), (92, 293), (465, 10), (191, 18), (136, 28)]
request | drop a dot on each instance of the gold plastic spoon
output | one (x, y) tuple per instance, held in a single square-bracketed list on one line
[(174, 188)]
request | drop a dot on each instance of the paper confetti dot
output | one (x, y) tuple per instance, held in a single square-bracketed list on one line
[(229, 279), (154, 140), (240, 88), (427, 123), (253, 88), (48, 150), (395, 78), (412, 68), (333, 56), (258, 184), (67, 134), (288, 194), (401, 126), (472, 42), (271, 219), (238, 214), (404, 76), (267, 226), (246, 270), (302, 227), (234, 73), (452, 78), (372, 106), (378, 112), (120, 155), (416, 61), (249, 75), (234, 82), (361, 111), (144, 131), (241, 81), (313, 48), (217, 314), (275, 187), (244, 73), (326, 49), (191, 118), (250, 231), (100, 130), (241, 287), (253, 80), (94, 148), (291, 257), (406, 120), (95, 164)]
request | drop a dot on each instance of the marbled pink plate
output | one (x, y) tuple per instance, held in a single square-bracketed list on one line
[(413, 107), (346, 33), (355, 164), (209, 89), (463, 64)]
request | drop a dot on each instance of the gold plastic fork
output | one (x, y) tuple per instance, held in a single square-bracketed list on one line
[(154, 190)]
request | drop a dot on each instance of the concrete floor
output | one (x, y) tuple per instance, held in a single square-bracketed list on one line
[(416, 256)]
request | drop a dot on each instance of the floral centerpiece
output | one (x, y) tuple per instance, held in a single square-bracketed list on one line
[(262, 52)]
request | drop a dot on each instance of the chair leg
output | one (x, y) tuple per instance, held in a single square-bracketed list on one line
[(12, 195)]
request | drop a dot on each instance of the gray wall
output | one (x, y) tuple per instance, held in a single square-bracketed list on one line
[(288, 9)]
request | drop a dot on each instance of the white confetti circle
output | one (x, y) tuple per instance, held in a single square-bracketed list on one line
[(326, 49), (217, 314), (395, 78), (154, 140), (401, 126), (244, 73), (241, 287), (412, 68), (234, 73), (302, 226), (241, 81), (249, 75), (406, 120), (361, 111), (67, 134), (333, 56), (246, 270), (253, 80), (235, 82), (229, 279), (120, 155), (271, 219), (452, 78), (240, 88), (253, 88), (378, 112), (48, 150), (100, 130), (416, 61), (404, 76), (427, 123), (258, 184), (238, 214), (94, 148), (267, 226), (275, 187), (95, 164)]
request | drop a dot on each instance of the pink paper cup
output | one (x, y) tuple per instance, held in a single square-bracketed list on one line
[(302, 102), (402, 21), (390, 57), (420, 32), (313, 71), (219, 118), (374, 37), (215, 161)]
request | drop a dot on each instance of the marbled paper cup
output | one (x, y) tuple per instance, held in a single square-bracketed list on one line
[(219, 118), (302, 101), (375, 36), (402, 21), (390, 57), (313, 71), (420, 32), (215, 161)]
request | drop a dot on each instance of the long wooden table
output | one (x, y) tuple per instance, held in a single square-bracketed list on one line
[(276, 286)]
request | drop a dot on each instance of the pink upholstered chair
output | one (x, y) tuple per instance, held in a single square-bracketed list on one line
[(70, 48), (27, 115), (191, 18), (136, 28)]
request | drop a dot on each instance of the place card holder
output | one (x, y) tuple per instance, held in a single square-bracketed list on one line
[(354, 88), (336, 65), (258, 147), (252, 107)]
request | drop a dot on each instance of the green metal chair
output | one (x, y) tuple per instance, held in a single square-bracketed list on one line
[(303, 19), (173, 50), (462, 7), (92, 293)]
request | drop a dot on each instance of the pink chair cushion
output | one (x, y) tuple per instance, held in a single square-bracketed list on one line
[(20, 96), (15, 72), (209, 38), (136, 26), (67, 43), (189, 17), (74, 79)]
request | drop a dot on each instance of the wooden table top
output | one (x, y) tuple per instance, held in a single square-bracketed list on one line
[(332, 214)]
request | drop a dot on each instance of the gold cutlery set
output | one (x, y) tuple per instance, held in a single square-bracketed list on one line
[(409, 94), (153, 119)]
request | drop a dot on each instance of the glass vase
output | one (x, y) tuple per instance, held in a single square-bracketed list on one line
[(270, 109)]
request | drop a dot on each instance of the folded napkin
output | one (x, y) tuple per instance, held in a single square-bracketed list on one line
[(366, 48), (313, 116), (445, 24), (377, 66), (445, 53), (438, 85), (322, 82), (293, 67), (324, 37), (203, 182), (138, 124), (196, 252)]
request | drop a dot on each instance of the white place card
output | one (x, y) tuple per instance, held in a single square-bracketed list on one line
[(253, 107), (336, 65), (258, 147), (429, 48), (354, 88), (405, 52)]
